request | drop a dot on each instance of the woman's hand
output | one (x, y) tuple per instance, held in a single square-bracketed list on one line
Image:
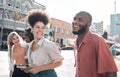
[(35, 69), (26, 71), (10, 73)]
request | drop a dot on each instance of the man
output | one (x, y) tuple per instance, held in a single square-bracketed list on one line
[(93, 57)]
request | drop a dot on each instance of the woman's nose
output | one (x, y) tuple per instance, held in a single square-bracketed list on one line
[(40, 29)]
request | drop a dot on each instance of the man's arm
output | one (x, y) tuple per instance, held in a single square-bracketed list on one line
[(112, 74)]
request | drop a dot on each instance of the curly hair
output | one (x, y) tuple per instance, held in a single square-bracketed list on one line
[(38, 15)]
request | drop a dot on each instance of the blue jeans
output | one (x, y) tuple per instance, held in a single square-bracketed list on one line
[(46, 73)]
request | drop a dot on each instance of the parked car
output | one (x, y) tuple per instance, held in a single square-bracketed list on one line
[(63, 47), (115, 49)]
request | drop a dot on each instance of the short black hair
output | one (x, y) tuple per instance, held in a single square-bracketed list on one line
[(38, 15), (86, 13)]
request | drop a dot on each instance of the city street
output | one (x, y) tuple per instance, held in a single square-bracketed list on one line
[(66, 70)]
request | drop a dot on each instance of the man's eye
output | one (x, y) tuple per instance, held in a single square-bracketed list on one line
[(79, 19)]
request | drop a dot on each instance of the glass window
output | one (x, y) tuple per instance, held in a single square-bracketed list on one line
[(1, 1), (1, 14), (57, 29), (5, 14), (62, 30)]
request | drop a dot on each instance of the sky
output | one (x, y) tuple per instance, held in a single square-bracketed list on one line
[(66, 9)]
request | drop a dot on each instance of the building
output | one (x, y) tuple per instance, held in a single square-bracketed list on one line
[(115, 25), (11, 11), (61, 32), (97, 27)]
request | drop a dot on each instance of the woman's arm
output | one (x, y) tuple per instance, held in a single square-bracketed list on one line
[(37, 69), (10, 75)]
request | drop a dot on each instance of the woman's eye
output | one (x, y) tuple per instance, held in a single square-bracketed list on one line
[(36, 27), (43, 27)]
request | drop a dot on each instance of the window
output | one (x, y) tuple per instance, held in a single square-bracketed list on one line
[(17, 4), (10, 2), (57, 29), (1, 1), (27, 8), (63, 30), (67, 31), (1, 14)]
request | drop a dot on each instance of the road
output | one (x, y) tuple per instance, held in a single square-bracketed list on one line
[(66, 70)]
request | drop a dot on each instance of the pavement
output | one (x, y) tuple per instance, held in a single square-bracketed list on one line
[(4, 71), (67, 69)]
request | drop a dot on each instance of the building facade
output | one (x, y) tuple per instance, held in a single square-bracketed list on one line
[(61, 32), (97, 27), (115, 25), (11, 11)]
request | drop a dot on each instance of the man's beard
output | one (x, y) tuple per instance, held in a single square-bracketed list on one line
[(80, 31)]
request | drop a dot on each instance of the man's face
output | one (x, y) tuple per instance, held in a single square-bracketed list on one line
[(79, 25)]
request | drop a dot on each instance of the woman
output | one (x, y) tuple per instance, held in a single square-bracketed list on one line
[(28, 35), (43, 55), (16, 55)]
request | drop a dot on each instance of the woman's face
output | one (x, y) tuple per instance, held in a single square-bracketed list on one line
[(38, 30), (15, 40), (27, 39)]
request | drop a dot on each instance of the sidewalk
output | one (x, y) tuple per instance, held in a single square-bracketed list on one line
[(4, 72), (66, 70)]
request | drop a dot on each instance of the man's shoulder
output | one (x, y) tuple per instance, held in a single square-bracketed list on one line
[(95, 36)]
